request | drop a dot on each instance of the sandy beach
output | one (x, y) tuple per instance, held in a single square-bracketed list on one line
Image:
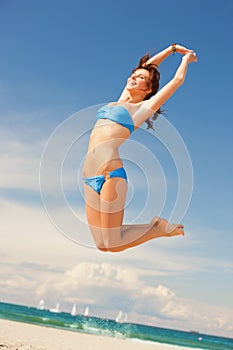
[(23, 336)]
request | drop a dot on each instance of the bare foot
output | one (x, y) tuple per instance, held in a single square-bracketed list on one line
[(162, 228)]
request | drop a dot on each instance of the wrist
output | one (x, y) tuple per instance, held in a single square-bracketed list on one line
[(173, 48), (185, 59)]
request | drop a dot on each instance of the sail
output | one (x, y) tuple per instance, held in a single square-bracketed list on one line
[(74, 310), (86, 312), (41, 304), (121, 317), (56, 309)]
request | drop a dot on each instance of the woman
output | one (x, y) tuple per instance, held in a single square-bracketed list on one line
[(105, 180)]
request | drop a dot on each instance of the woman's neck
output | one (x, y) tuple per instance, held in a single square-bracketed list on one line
[(130, 98)]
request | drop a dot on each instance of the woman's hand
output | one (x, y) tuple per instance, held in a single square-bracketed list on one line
[(190, 57), (182, 50)]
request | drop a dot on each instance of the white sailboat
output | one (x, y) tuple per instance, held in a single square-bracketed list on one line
[(74, 310), (121, 317), (41, 305), (86, 311), (56, 309)]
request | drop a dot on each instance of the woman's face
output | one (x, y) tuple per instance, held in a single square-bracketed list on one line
[(139, 81)]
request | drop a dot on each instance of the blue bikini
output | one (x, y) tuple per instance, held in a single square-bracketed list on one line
[(120, 115), (96, 182)]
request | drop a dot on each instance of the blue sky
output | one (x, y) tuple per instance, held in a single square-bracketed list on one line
[(58, 57)]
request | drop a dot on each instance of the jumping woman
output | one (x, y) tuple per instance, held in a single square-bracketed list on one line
[(105, 179)]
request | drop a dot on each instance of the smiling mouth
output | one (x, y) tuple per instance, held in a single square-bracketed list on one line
[(132, 83)]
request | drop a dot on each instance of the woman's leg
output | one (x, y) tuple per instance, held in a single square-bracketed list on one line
[(92, 200), (117, 237)]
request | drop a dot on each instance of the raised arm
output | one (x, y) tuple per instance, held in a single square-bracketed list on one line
[(152, 105), (162, 55), (157, 59)]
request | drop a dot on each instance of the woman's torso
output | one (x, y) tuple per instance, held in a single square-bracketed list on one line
[(106, 138)]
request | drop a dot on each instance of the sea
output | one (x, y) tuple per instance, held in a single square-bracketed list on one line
[(111, 328)]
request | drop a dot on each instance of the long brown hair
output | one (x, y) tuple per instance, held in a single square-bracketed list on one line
[(154, 78)]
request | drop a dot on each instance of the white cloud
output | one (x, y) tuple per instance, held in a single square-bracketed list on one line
[(164, 292), (177, 310)]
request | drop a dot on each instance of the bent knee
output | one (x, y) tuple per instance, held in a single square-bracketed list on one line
[(102, 249), (109, 250), (111, 242), (109, 247), (101, 246)]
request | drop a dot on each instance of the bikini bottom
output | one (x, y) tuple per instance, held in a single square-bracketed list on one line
[(97, 182)]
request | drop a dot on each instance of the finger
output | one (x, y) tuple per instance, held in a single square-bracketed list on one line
[(195, 56), (194, 59)]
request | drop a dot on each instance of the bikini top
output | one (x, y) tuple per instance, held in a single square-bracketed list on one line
[(118, 114)]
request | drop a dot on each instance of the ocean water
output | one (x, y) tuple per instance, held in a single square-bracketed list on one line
[(95, 325)]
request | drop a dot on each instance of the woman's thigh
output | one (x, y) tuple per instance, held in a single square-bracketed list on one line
[(92, 203), (105, 212), (112, 201), (113, 196)]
